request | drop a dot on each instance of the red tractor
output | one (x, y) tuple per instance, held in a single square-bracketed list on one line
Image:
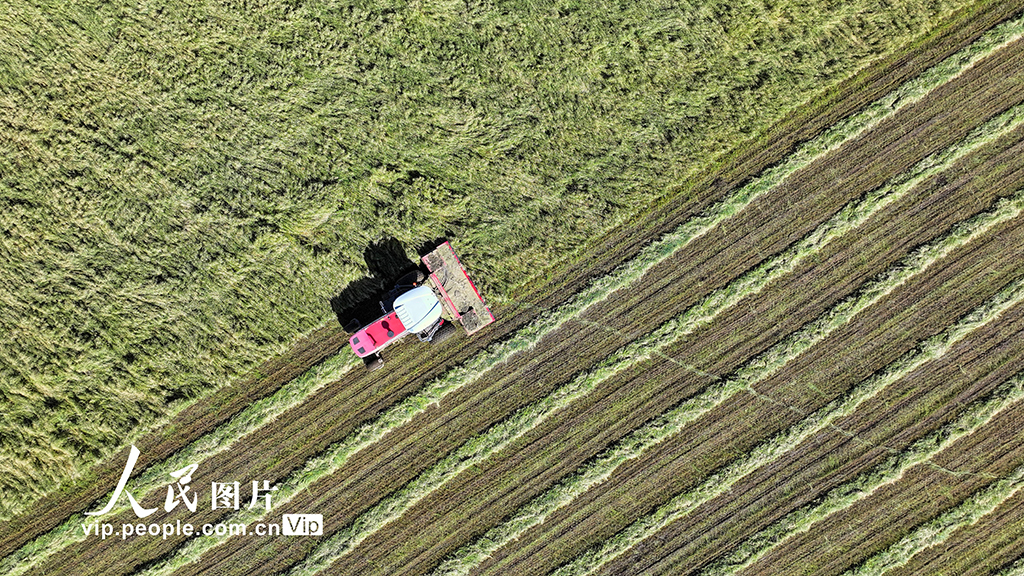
[(428, 306)]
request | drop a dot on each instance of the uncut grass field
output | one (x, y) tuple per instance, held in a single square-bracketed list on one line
[(184, 186)]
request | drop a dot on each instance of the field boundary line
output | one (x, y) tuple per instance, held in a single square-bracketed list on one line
[(768, 362), (499, 436), (937, 530), (864, 485), (720, 482), (220, 439)]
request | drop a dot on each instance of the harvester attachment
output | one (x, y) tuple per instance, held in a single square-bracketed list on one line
[(456, 291)]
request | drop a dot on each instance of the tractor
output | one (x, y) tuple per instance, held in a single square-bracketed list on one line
[(427, 305)]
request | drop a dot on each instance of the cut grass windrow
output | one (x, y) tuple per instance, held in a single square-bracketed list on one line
[(501, 435), (758, 369), (906, 94), (720, 482), (156, 476), (936, 531), (863, 486)]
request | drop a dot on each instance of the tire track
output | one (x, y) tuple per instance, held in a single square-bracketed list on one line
[(867, 483), (936, 532), (720, 482)]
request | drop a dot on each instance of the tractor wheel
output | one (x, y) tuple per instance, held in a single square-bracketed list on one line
[(415, 277), (446, 331), (373, 362)]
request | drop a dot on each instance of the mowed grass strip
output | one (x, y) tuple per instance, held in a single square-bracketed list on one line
[(155, 477), (936, 531), (720, 482), (504, 433), (989, 546), (465, 559), (867, 483)]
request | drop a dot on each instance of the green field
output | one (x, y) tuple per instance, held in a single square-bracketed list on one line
[(183, 188)]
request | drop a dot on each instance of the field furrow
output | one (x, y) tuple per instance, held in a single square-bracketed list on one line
[(864, 485), (872, 524), (760, 368), (926, 506), (722, 481)]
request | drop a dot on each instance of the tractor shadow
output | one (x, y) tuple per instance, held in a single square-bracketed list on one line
[(358, 304)]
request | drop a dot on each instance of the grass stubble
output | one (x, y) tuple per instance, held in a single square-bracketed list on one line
[(682, 504)]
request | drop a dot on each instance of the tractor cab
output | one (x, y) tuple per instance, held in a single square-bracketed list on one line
[(418, 309)]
